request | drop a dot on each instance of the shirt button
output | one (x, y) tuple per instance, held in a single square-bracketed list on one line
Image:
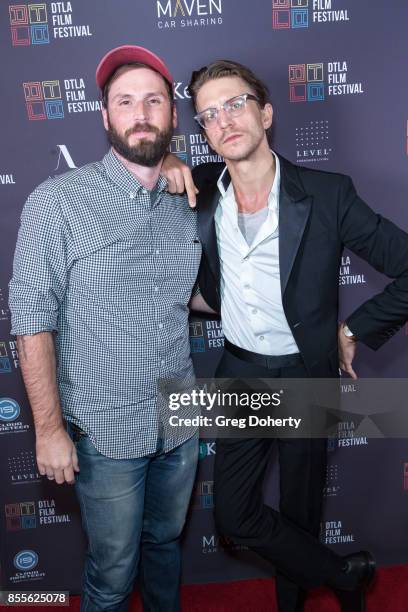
[(254, 311), (160, 325), (162, 361), (144, 191), (156, 288), (157, 251), (261, 338), (131, 196), (247, 286)]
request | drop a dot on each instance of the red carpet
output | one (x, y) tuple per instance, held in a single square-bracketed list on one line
[(388, 594)]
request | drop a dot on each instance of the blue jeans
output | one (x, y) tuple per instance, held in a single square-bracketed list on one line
[(133, 512)]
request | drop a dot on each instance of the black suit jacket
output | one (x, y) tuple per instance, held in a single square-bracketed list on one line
[(319, 214)]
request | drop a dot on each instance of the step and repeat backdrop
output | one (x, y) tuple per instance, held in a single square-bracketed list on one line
[(337, 75)]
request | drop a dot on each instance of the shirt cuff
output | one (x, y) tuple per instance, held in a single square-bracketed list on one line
[(33, 324), (347, 331)]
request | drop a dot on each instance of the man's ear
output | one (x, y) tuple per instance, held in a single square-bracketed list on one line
[(105, 118), (267, 115)]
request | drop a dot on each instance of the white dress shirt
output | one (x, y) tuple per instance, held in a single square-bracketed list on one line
[(251, 300)]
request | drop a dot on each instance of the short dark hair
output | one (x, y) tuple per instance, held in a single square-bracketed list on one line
[(228, 68), (118, 72)]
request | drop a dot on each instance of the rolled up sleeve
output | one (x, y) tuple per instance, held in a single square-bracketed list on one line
[(40, 266)]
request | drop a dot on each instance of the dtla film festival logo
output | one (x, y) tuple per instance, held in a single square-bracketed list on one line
[(213, 332), (5, 364), (348, 275), (332, 532), (7, 179), (197, 342), (297, 14), (178, 147), (51, 99), (8, 357), (346, 430), (215, 335), (193, 147), (314, 82), (31, 514), (20, 516), (43, 100), (200, 152), (188, 13), (203, 495), (31, 24)]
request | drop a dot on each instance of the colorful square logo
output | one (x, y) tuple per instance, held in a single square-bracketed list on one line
[(29, 24), (178, 147), (288, 14), (20, 516), (43, 100), (306, 82)]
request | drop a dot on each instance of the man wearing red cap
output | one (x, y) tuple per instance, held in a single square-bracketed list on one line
[(104, 269)]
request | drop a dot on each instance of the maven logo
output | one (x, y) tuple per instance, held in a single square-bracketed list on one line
[(188, 13)]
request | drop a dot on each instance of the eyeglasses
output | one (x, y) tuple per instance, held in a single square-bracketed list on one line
[(233, 107)]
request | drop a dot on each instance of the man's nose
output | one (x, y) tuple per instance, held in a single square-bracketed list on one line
[(140, 110), (224, 118)]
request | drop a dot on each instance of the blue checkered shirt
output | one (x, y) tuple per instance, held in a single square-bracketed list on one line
[(110, 267)]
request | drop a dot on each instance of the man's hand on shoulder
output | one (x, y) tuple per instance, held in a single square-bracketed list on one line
[(179, 178), (56, 456), (347, 349)]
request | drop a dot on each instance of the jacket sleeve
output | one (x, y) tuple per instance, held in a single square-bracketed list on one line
[(385, 246), (206, 172)]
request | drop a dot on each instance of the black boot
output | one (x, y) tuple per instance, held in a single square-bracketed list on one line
[(359, 570)]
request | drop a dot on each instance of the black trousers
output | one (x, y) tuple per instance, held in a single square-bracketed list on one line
[(287, 538)]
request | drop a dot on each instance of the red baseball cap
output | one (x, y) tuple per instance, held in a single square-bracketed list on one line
[(128, 54)]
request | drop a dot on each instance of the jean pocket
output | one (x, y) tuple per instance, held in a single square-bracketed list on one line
[(76, 432)]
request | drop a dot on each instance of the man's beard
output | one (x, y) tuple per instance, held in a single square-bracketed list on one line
[(145, 152)]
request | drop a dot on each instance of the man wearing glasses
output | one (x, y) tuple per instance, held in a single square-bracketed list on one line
[(272, 235)]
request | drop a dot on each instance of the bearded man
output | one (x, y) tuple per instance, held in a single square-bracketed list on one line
[(105, 264)]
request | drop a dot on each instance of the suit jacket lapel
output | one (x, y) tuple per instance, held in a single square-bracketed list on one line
[(294, 210)]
